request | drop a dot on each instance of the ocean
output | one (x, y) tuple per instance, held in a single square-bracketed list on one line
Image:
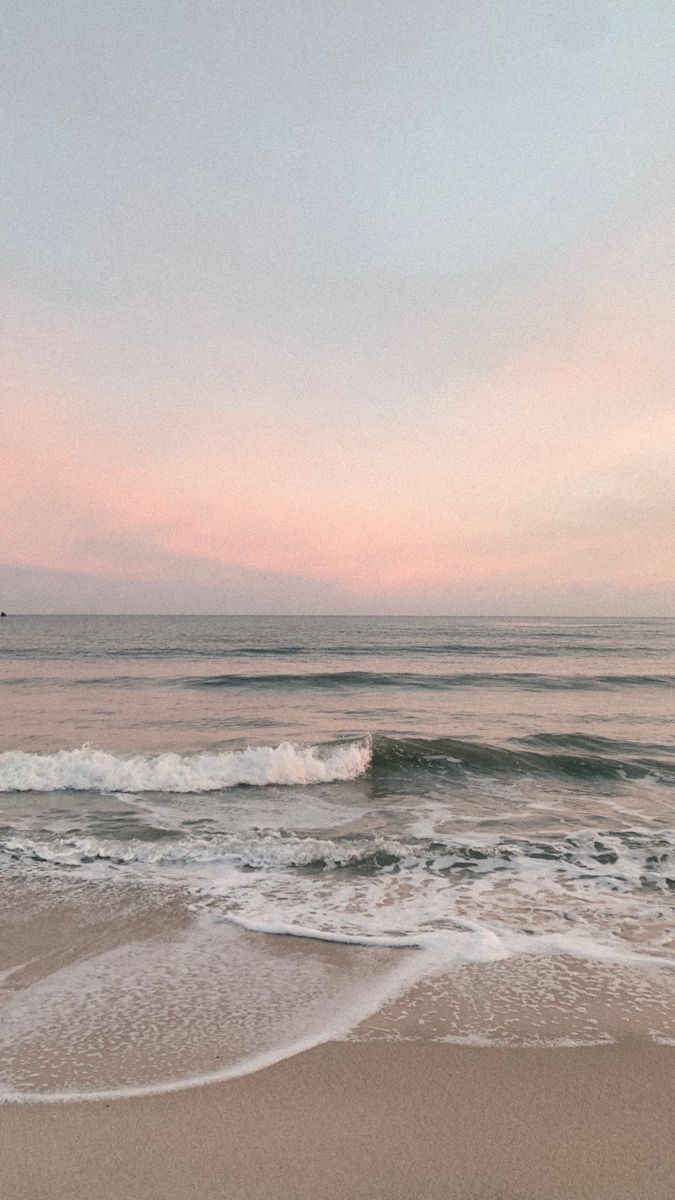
[(223, 839)]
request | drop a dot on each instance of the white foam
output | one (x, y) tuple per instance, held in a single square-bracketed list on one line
[(276, 808), (179, 992), (469, 942), (324, 935), (260, 850), (368, 890), (76, 1001), (88, 769)]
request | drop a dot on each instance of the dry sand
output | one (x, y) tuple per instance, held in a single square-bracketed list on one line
[(377, 1121)]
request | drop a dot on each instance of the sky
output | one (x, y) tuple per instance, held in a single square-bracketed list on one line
[(339, 306)]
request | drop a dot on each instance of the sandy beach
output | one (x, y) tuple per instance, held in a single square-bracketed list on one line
[(346, 1121)]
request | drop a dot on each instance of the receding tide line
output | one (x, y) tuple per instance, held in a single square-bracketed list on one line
[(401, 977), (445, 948), (394, 942), (481, 944)]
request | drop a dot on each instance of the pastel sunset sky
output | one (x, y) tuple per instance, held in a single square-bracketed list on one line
[(338, 306)]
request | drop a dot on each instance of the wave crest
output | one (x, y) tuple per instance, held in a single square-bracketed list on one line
[(88, 769), (93, 770)]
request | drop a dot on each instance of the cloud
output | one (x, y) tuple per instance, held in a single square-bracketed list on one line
[(39, 590), (165, 585)]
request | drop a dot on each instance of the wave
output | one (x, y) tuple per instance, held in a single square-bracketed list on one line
[(326, 680), (527, 680), (553, 648), (121, 682), (646, 858), (595, 743), (104, 653), (453, 755), (287, 764), (262, 851), (88, 769)]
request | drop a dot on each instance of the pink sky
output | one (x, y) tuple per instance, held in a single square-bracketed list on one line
[(555, 468)]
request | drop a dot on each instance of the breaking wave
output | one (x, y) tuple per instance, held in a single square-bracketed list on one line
[(638, 859), (572, 757), (88, 769), (264, 851)]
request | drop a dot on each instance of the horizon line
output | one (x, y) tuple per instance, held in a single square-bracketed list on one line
[(540, 616)]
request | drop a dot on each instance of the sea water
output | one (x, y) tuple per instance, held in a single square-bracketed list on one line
[(223, 839)]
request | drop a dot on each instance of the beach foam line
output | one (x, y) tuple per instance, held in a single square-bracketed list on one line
[(276, 929), (408, 970), (405, 973), (469, 942), (466, 942)]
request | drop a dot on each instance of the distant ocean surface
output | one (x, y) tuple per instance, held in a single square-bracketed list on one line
[(226, 838)]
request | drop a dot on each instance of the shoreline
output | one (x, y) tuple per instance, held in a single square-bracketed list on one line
[(368, 1121)]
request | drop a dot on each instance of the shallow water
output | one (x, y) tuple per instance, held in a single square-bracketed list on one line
[(464, 829)]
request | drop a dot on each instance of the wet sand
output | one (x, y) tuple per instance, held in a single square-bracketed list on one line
[(371, 1121)]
